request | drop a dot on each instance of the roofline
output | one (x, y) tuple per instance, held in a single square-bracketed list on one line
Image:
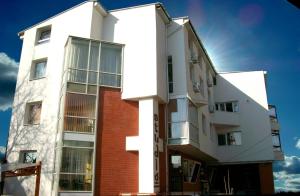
[(201, 44), (232, 72), (21, 33), (159, 4)]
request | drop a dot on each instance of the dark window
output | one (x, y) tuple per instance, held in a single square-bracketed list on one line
[(170, 74), (217, 106), (229, 107), (215, 80), (27, 156), (221, 139), (222, 106)]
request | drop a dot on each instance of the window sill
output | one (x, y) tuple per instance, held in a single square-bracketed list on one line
[(33, 79), (42, 41), (27, 124)]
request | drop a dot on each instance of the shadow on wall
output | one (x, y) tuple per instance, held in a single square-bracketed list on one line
[(25, 137), (252, 116), (109, 23)]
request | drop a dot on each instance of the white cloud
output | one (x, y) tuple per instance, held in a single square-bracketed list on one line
[(287, 174), (2, 149), (8, 75), (298, 144)]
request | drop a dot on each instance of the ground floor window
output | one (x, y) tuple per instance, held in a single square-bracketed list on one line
[(77, 166)]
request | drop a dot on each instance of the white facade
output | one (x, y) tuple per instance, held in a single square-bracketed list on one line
[(149, 38)]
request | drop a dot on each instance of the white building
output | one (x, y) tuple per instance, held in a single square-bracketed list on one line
[(128, 101)]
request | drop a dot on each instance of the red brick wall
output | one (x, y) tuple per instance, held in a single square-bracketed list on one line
[(116, 169)]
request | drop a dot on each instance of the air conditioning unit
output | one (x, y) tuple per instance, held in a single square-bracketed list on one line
[(211, 108), (196, 87), (209, 82)]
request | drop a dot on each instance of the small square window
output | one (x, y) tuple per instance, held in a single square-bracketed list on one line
[(43, 35), (38, 69), (28, 156), (234, 138), (33, 113)]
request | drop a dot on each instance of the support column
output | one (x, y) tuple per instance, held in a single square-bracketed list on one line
[(149, 146)]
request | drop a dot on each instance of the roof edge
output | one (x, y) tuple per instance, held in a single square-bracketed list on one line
[(96, 3)]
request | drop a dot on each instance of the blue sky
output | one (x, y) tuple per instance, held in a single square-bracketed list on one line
[(238, 35)]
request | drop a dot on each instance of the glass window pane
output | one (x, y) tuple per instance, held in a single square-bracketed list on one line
[(110, 58), (72, 87), (221, 139), (234, 138), (229, 107), (178, 111), (81, 125), (34, 113), (78, 54), (235, 107), (204, 125), (275, 139), (28, 156), (92, 89), (108, 79), (178, 130), (75, 182), (73, 143), (92, 77), (39, 70), (193, 114), (77, 160), (94, 56), (222, 107), (80, 105), (45, 34), (77, 76)]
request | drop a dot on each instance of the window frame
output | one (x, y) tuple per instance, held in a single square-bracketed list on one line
[(27, 113), (23, 153), (33, 69), (40, 32), (225, 135)]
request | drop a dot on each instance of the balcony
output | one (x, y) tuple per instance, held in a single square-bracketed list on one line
[(182, 133), (222, 118), (273, 118)]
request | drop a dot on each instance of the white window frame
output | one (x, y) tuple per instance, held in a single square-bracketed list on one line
[(33, 68), (40, 31), (27, 113)]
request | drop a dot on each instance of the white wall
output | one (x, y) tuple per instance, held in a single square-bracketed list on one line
[(176, 48), (41, 137), (136, 28), (248, 88)]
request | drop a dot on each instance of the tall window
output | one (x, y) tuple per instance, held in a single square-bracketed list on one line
[(170, 74), (193, 121), (192, 73), (77, 166), (110, 65), (204, 125), (27, 156), (33, 113), (39, 69)]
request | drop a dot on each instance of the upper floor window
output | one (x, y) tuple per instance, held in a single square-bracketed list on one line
[(204, 124), (27, 156), (38, 69), (227, 106), (33, 113), (43, 34), (170, 74), (231, 138)]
